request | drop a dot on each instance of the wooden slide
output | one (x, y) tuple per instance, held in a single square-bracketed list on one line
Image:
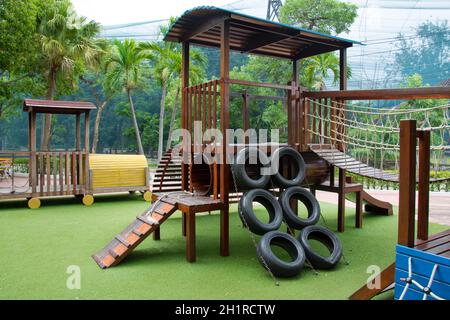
[(371, 204)]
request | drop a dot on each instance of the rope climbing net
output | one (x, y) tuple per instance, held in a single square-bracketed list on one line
[(427, 292), (369, 135)]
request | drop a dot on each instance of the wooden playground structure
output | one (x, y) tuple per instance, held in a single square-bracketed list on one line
[(179, 185), (436, 244), (71, 173)]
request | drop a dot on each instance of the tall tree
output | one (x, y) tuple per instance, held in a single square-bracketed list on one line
[(125, 70), (68, 44), (327, 16), (102, 91), (427, 53), (166, 57), (317, 68), (18, 54)]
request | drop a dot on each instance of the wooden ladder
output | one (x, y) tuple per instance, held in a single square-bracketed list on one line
[(126, 241)]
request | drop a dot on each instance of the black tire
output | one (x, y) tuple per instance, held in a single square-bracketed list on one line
[(329, 239), (243, 180), (277, 266), (310, 202), (248, 216), (297, 161)]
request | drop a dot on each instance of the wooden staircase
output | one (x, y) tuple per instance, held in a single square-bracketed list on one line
[(168, 174), (126, 241)]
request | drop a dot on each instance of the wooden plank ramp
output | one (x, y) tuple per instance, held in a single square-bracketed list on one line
[(126, 241), (343, 161)]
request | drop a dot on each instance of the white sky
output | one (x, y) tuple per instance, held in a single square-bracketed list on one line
[(109, 12)]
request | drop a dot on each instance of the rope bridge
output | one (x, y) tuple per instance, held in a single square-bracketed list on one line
[(364, 140)]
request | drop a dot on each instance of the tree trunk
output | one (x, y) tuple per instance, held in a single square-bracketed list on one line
[(161, 120), (97, 126), (46, 129), (172, 119), (136, 127)]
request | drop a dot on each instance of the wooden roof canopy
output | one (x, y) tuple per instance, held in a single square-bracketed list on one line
[(57, 107), (202, 26)]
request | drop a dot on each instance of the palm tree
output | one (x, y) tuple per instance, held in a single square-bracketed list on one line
[(317, 68), (162, 54), (102, 92), (125, 70), (66, 40), (196, 74), (167, 60)]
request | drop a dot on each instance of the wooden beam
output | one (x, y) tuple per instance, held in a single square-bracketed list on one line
[(86, 150), (343, 69), (224, 111), (387, 277), (245, 114), (184, 111), (424, 185), (32, 144), (407, 186), (259, 84), (204, 26), (224, 125), (384, 94), (78, 132)]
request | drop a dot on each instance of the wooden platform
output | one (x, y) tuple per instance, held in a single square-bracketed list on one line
[(438, 244), (189, 203)]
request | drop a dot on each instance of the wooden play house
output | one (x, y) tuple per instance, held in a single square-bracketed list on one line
[(193, 188), (76, 173)]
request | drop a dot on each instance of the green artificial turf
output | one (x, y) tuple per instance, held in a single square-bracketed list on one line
[(38, 246)]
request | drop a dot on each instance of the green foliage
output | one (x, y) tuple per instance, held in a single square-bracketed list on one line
[(67, 43), (18, 58), (326, 16), (17, 34), (124, 65)]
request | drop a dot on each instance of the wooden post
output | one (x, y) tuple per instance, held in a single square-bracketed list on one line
[(184, 110), (246, 115), (224, 125), (342, 173), (78, 132), (343, 69), (190, 237), (32, 145), (359, 211), (407, 185), (291, 107), (341, 201), (86, 150), (424, 185)]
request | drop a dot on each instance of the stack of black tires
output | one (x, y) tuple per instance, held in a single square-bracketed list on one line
[(281, 210)]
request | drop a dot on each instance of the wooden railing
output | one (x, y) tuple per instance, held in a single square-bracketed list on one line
[(58, 173), (203, 107)]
